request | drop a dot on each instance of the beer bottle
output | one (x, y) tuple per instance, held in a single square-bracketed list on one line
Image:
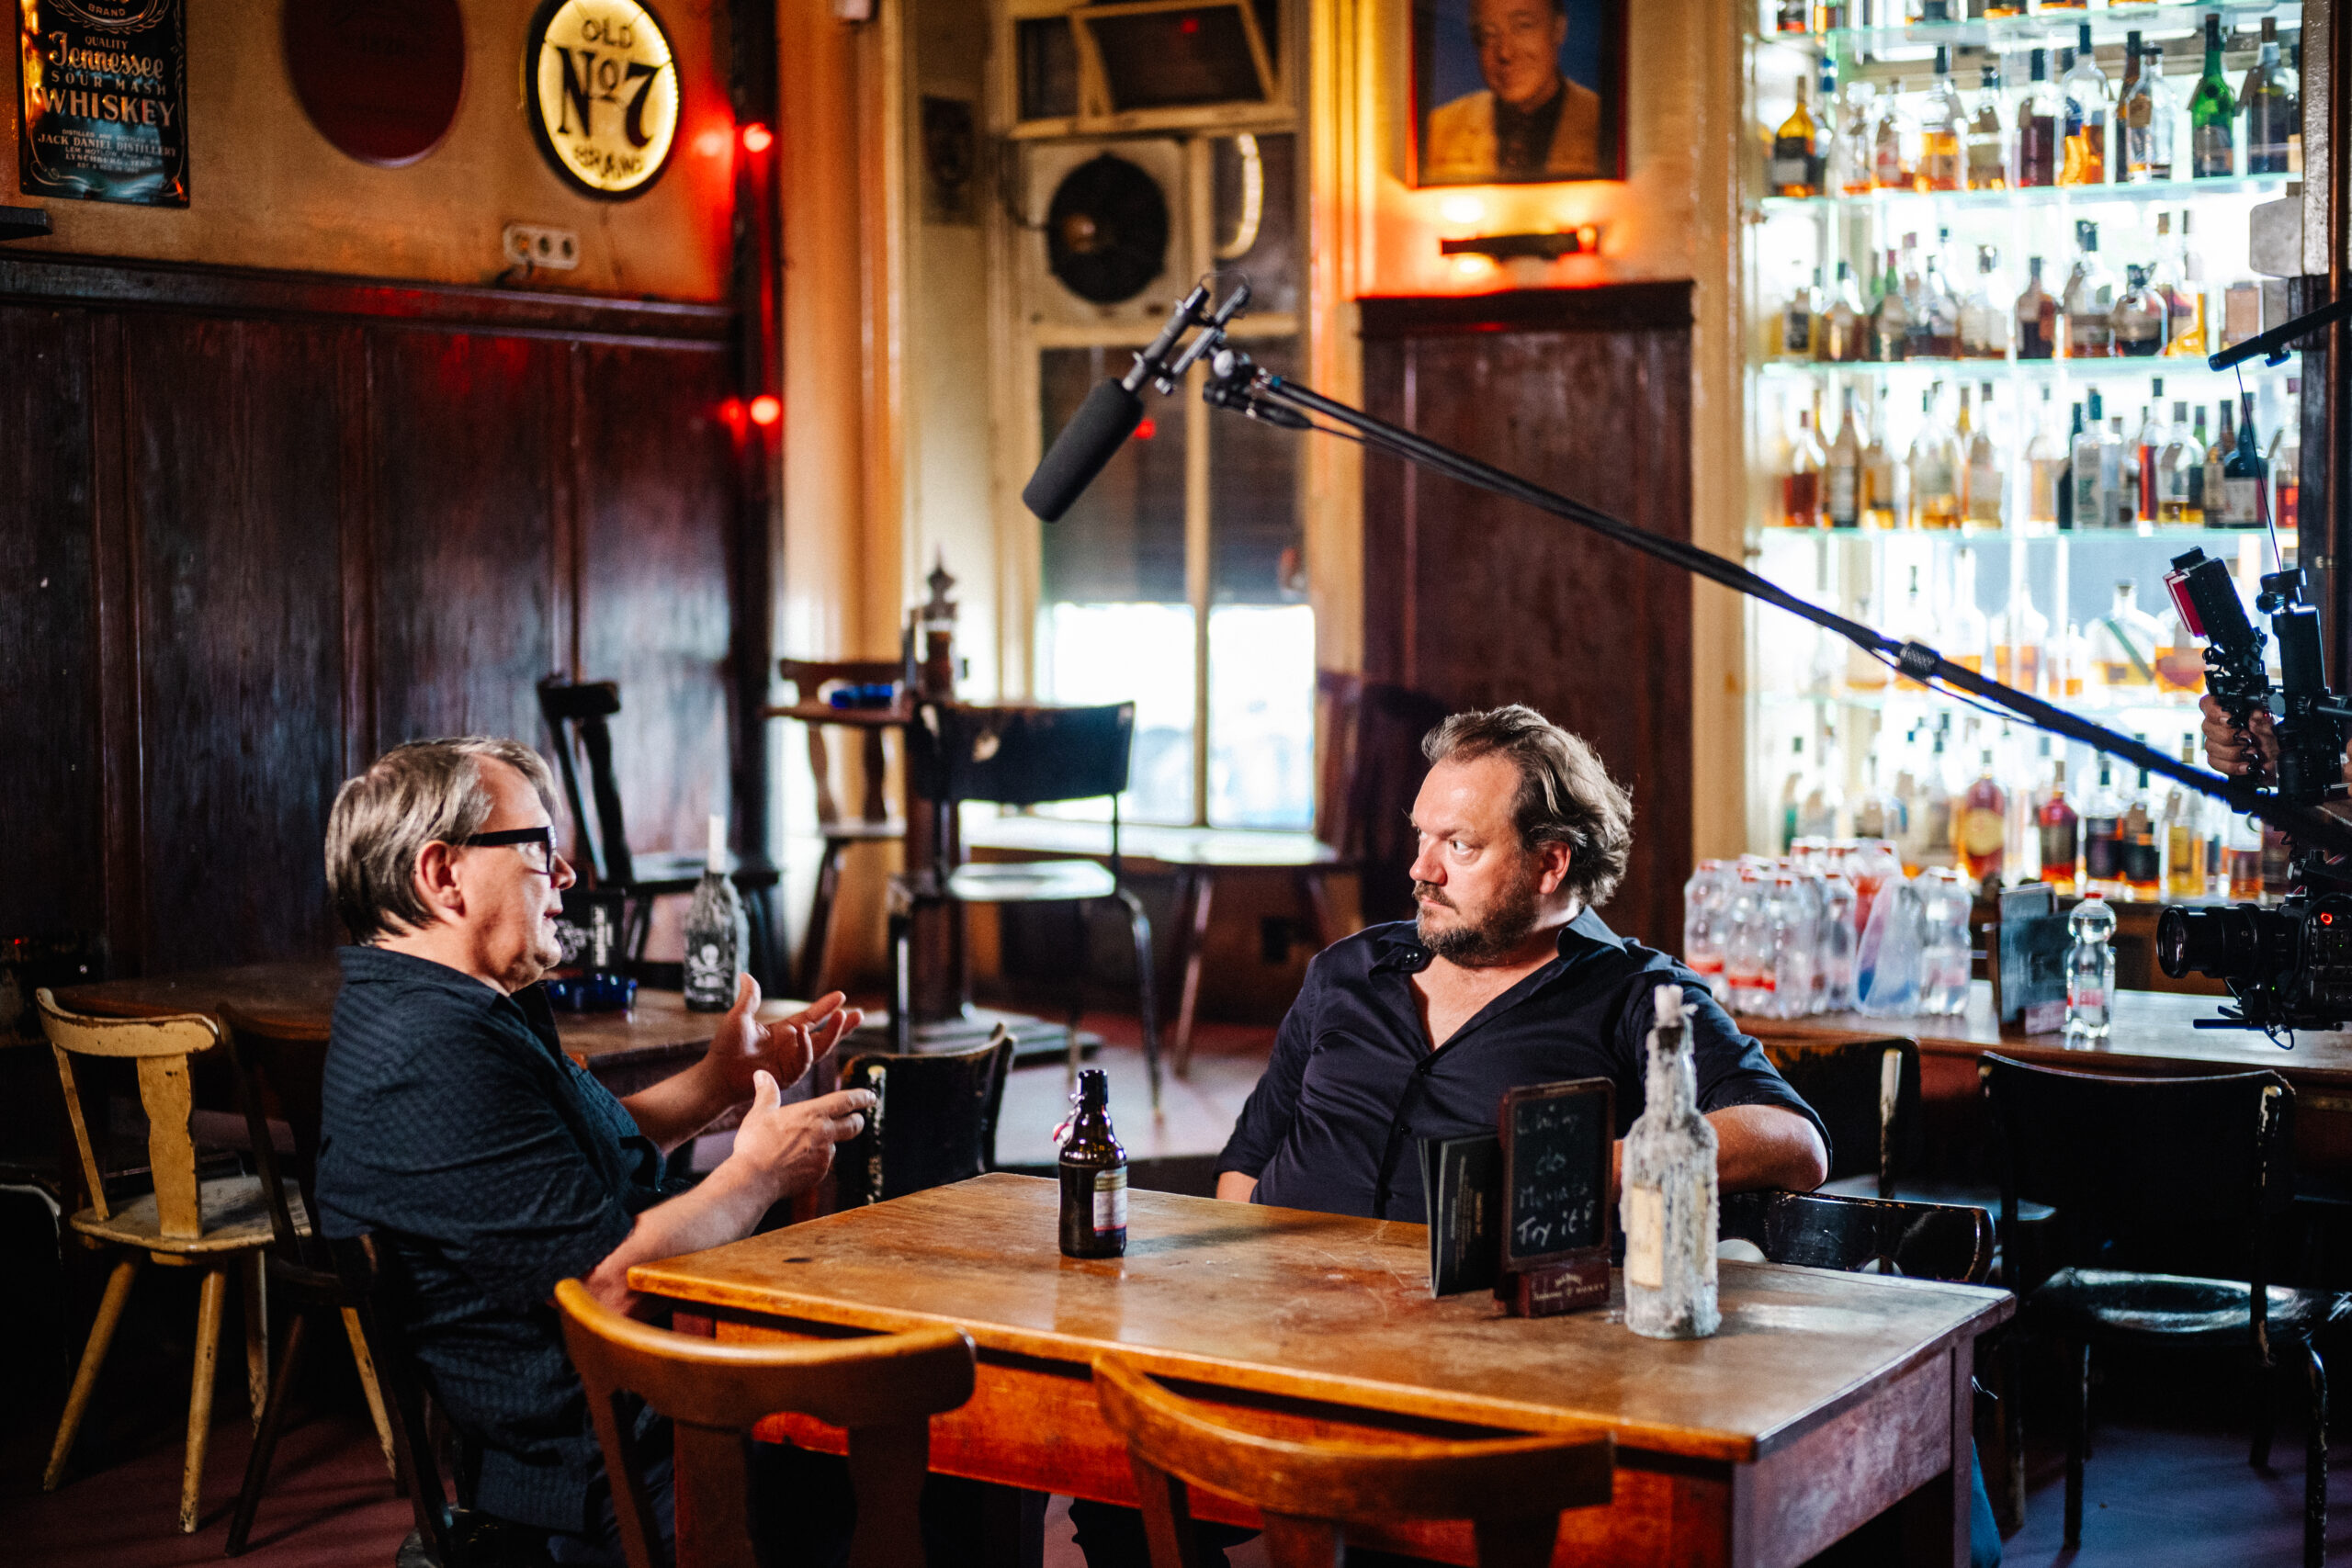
[(1094, 1176)]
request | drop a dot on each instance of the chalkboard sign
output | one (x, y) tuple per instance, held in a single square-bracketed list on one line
[(1556, 1212)]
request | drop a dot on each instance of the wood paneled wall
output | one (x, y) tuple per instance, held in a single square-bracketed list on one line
[(1481, 601), (261, 527)]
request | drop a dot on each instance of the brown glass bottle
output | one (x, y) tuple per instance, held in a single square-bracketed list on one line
[(1094, 1176)]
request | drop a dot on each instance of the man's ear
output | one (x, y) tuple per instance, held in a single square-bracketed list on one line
[(1556, 857), (436, 881)]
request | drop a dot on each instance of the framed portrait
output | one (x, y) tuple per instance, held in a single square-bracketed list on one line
[(1518, 92)]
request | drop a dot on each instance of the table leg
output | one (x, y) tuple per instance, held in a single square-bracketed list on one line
[(1935, 1517)]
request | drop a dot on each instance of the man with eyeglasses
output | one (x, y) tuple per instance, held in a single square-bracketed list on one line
[(485, 1161)]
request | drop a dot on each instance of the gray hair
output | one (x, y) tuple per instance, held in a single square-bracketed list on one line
[(420, 793), (1565, 796)]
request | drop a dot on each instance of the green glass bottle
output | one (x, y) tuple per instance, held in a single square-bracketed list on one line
[(2212, 113), (2245, 497)]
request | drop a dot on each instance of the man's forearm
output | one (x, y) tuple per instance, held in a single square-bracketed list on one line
[(722, 1208), (680, 1106), (1236, 1187), (1766, 1145)]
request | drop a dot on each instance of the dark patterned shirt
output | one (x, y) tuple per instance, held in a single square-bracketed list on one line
[(1523, 137), (1353, 1083), (456, 1128)]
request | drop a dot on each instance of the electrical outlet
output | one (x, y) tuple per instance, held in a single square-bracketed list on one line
[(537, 245)]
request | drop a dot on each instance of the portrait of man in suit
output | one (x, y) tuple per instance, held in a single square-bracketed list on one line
[(1517, 91)]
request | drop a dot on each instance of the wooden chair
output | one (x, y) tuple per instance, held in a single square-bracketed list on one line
[(2164, 1190), (212, 1224), (576, 714), (1513, 1489), (884, 1389), (280, 1066), (811, 678), (1924, 1241), (1019, 756), (934, 1120)]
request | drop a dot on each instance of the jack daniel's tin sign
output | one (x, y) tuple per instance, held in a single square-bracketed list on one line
[(601, 88), (103, 96)]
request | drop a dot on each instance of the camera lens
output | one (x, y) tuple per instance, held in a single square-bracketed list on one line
[(2190, 938)]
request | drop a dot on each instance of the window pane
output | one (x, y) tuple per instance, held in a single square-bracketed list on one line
[(1254, 530), (1123, 542), (1138, 653), (1262, 715)]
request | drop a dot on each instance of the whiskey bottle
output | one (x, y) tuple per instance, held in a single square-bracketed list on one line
[(716, 933), (1669, 1207), (1988, 136), (1943, 132), (1791, 171), (2186, 875), (2045, 459), (1843, 502), (2059, 832), (2142, 859), (1094, 1176), (2041, 122), (2083, 89), (1842, 333), (1935, 470), (2273, 112), (2136, 325), (2174, 466), (2089, 301), (2037, 316), (2146, 117)]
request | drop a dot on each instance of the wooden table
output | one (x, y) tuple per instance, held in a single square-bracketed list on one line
[(1826, 1398)]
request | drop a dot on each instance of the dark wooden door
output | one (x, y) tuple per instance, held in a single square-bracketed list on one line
[(1481, 601)]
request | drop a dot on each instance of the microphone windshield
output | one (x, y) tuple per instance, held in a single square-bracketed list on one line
[(1102, 425)]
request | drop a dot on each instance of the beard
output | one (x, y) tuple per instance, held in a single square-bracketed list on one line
[(1496, 932)]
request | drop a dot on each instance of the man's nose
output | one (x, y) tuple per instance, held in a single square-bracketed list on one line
[(564, 875), (1425, 867)]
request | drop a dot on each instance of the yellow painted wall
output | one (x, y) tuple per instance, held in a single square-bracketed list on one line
[(266, 191)]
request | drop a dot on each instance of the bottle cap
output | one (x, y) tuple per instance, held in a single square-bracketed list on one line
[(718, 842), (1093, 1087), (1671, 1007)]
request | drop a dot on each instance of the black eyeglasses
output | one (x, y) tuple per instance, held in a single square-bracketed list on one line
[(524, 838)]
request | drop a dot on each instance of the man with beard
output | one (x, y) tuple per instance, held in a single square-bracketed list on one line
[(1509, 976)]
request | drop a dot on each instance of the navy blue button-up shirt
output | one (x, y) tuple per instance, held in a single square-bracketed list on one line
[(1353, 1083), (456, 1128)]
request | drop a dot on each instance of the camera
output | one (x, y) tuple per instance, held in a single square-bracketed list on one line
[(2288, 968)]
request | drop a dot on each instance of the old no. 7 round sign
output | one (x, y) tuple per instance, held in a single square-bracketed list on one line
[(601, 87)]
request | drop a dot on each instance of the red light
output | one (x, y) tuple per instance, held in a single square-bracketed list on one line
[(766, 409), (711, 144), (1145, 431), (2325, 919), (758, 139), (1189, 26)]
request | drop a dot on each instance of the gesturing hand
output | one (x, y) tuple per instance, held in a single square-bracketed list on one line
[(792, 1146), (743, 1047)]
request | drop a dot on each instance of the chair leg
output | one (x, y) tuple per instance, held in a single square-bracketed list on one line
[(257, 1282), (2078, 1439), (94, 1356), (273, 1421), (366, 1361), (1195, 930), (821, 919), (902, 1002), (1139, 926), (2265, 1412), (209, 1306), (2315, 1461)]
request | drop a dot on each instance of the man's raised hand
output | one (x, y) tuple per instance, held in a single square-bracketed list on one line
[(743, 1046), (793, 1144)]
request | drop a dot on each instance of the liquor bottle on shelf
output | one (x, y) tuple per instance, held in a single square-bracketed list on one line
[(2213, 113), (1941, 315), (2174, 465), (1857, 120), (1865, 674), (1881, 487), (1914, 620), (1841, 334), (1983, 825), (1984, 315), (2070, 674), (2141, 857), (2146, 447), (2200, 505), (1093, 1166), (1790, 172), (2045, 460), (2271, 97), (1800, 478), (1890, 319), (2116, 473), (2218, 513), (1792, 16), (2102, 840), (2086, 477), (2020, 640), (1669, 1207), (2041, 124), (1797, 318), (1824, 126), (1842, 504), (2137, 323), (2123, 646), (2146, 118), (1988, 135), (1944, 131), (2286, 465), (1935, 468), (2036, 315), (2123, 89), (2180, 658), (2240, 315), (1967, 634), (2089, 301), (1984, 494), (2060, 834), (2180, 276), (1892, 139), (2084, 90), (2186, 873), (2245, 497), (1932, 809)]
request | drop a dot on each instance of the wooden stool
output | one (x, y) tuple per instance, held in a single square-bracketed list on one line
[(183, 1223), (1513, 1489), (884, 1389)]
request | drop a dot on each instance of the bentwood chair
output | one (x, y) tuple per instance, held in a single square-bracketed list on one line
[(1310, 1490), (213, 1225), (932, 1121), (1817, 1230), (2164, 1190), (280, 1067), (884, 1389), (812, 680)]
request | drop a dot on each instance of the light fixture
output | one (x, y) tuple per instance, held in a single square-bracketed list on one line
[(766, 409), (711, 144), (758, 139), (1583, 239), (1462, 209)]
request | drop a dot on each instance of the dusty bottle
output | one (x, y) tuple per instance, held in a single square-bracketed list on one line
[(1669, 1207), (1094, 1176), (717, 932), (2090, 971)]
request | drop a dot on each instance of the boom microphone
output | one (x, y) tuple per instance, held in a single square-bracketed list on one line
[(1104, 422)]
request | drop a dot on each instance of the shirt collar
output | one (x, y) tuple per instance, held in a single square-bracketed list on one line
[(363, 964), (1399, 945)]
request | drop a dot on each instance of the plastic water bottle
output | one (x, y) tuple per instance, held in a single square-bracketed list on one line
[(1837, 943), (1887, 965), (1794, 924), (1706, 899), (1747, 939), (1943, 964), (2090, 972)]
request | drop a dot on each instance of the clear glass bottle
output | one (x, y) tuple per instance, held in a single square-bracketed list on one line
[(1856, 123), (2089, 302), (1891, 318), (2146, 447), (2124, 642), (1893, 143), (1790, 172), (1984, 314), (2116, 476), (1798, 316), (1669, 1207), (1984, 499), (2173, 466), (2146, 118), (2084, 93), (2090, 971), (1842, 336), (1988, 135), (2219, 512), (2213, 113), (1093, 1166), (2136, 325), (2037, 316), (1943, 132), (2271, 97), (2088, 474), (2045, 457), (2040, 124), (2020, 642), (1935, 470), (1882, 484), (1800, 478), (2059, 829), (2180, 276), (1943, 307), (717, 932), (1967, 634), (1842, 504)]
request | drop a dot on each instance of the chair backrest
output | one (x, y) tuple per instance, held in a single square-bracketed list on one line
[(2171, 1175), (584, 706), (934, 1120), (1867, 1092), (810, 678), (281, 1066), (1820, 1229), (161, 1048), (884, 1389), (1513, 1489), (1021, 756), (1371, 769), (370, 1281)]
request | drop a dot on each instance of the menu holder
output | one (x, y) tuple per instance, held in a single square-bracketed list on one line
[(1556, 1217), (2029, 968), (1462, 1183)]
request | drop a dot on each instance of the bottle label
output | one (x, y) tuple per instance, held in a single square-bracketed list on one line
[(1842, 492), (710, 973), (1110, 1200), (2238, 501), (2058, 849), (1982, 832), (1788, 169), (1645, 1237)]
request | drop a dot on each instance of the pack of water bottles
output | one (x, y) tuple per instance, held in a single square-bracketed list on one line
[(1832, 927)]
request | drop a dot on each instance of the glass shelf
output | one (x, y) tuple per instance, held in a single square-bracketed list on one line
[(2171, 537), (2156, 24), (2029, 371), (2028, 198), (2114, 716)]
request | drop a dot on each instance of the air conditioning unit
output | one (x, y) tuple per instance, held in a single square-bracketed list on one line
[(1103, 234)]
